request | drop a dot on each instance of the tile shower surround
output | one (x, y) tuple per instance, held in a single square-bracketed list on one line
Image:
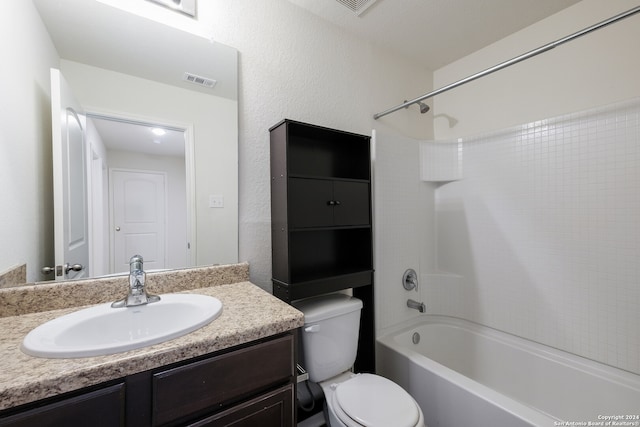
[(541, 235)]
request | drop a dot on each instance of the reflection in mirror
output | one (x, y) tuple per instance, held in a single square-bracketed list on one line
[(210, 121), (139, 198), (123, 65), (70, 196)]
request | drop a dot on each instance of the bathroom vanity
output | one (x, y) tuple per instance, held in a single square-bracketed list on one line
[(240, 367), (216, 389)]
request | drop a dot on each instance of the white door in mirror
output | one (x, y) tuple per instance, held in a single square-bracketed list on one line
[(102, 330), (139, 214), (71, 209)]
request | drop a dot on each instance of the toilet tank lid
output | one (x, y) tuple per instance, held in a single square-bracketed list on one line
[(326, 306)]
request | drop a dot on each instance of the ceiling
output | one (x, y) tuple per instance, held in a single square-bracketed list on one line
[(434, 33), (137, 137), (431, 33)]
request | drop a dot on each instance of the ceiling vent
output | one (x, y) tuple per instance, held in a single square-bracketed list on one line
[(198, 80), (357, 6)]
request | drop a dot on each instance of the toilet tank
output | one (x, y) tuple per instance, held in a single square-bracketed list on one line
[(330, 334)]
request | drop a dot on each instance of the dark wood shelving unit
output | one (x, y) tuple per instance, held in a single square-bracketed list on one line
[(321, 231)]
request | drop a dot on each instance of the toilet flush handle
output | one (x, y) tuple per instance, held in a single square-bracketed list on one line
[(312, 328)]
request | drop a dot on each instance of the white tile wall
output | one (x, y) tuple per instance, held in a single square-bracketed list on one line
[(403, 222), (440, 162), (542, 234)]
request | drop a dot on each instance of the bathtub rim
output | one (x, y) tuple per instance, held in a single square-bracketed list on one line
[(515, 407)]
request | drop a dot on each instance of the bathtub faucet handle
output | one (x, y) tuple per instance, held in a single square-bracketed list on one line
[(410, 280)]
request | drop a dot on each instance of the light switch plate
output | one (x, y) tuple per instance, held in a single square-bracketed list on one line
[(216, 201)]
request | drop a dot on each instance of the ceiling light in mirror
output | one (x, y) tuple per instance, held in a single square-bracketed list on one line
[(158, 131)]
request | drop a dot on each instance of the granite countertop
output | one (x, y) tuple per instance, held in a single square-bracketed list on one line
[(249, 313)]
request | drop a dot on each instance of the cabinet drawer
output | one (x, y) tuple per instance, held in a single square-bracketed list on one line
[(104, 407), (209, 384), (273, 409)]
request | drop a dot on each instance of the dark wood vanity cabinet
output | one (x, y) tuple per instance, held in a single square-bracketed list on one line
[(272, 409), (104, 407), (321, 227), (248, 385), (216, 382)]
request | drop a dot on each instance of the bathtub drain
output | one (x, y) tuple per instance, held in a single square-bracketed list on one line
[(415, 338)]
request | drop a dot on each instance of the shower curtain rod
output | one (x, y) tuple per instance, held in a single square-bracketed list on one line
[(512, 61)]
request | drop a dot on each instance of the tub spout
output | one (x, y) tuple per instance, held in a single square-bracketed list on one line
[(417, 305)]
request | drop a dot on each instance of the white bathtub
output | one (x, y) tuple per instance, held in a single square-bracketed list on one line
[(464, 374)]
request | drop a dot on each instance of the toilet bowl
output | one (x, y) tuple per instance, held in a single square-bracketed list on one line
[(329, 345), (356, 400)]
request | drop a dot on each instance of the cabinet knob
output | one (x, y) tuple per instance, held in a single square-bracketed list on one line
[(337, 202), (331, 202)]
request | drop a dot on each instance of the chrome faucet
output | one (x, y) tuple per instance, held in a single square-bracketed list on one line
[(417, 305), (137, 292)]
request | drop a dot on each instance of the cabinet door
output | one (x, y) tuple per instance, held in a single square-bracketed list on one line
[(104, 407), (310, 203), (210, 384), (273, 409), (351, 203), (324, 203)]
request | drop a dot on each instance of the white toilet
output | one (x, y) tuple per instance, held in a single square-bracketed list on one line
[(329, 344)]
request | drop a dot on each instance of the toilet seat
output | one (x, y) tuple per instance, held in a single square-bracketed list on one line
[(374, 401)]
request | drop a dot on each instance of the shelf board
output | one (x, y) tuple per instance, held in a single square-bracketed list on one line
[(329, 228), (328, 178), (308, 288)]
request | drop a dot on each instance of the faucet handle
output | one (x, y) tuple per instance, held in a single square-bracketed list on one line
[(137, 293), (136, 262), (410, 280)]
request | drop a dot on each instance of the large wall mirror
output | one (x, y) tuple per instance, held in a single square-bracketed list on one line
[(131, 74)]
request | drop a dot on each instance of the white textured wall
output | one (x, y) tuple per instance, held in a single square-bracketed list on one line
[(26, 222), (541, 234), (597, 69), (294, 65)]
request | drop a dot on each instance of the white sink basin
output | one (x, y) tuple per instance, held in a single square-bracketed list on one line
[(101, 330)]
